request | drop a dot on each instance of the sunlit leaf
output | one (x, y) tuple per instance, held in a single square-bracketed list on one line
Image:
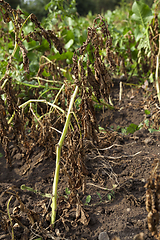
[(69, 44), (88, 199), (147, 112), (142, 14), (109, 197)]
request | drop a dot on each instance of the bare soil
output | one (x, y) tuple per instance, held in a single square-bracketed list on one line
[(118, 170)]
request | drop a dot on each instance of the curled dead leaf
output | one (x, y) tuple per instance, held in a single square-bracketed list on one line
[(83, 217)]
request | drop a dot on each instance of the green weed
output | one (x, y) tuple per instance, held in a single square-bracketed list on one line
[(88, 199)]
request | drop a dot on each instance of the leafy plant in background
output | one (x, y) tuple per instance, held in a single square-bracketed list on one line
[(136, 43), (142, 16), (132, 41), (64, 20)]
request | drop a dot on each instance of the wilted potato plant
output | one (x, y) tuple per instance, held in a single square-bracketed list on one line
[(47, 92), (36, 109)]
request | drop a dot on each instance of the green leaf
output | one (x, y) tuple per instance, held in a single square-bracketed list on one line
[(147, 122), (151, 78), (101, 129), (78, 102), (58, 56), (23, 187), (45, 74), (147, 112), (69, 22), (132, 128), (21, 95), (99, 195), (138, 33), (31, 45), (142, 14), (67, 191), (1, 155), (140, 126), (123, 130), (151, 130), (88, 199), (109, 196), (69, 44), (48, 5), (69, 35), (34, 66)]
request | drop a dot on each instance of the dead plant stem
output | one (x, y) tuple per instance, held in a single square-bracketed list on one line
[(12, 234)]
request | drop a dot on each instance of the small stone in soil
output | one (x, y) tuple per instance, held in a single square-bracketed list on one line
[(103, 236)]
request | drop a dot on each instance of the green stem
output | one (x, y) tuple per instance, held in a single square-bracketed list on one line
[(10, 120), (46, 80), (23, 25), (35, 86), (41, 100), (156, 79), (58, 155), (55, 100)]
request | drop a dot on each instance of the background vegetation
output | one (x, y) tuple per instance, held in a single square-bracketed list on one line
[(83, 7)]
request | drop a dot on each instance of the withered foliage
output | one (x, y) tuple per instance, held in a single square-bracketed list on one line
[(17, 130), (92, 74), (73, 165), (51, 68), (7, 133), (49, 35), (19, 213), (152, 200), (22, 128), (4, 129)]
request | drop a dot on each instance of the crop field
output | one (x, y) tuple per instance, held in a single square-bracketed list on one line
[(80, 123)]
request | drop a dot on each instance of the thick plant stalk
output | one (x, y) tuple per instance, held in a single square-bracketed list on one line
[(58, 155)]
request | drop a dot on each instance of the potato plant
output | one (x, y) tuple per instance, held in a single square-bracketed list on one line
[(46, 67)]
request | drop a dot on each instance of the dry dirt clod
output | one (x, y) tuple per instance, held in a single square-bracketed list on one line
[(148, 140)]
